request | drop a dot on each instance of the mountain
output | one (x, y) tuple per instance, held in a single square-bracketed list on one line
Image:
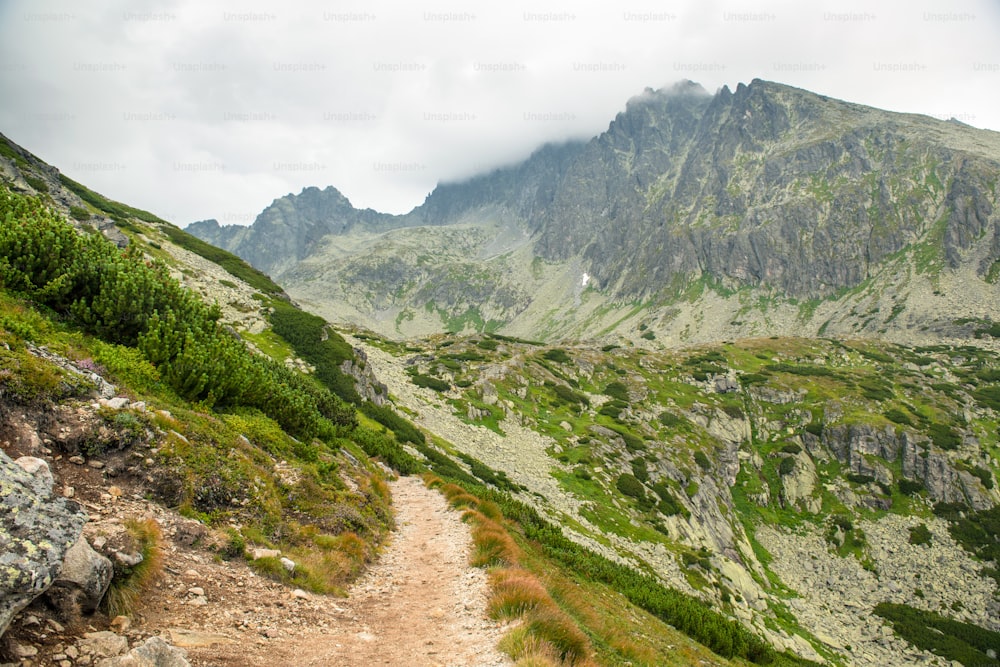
[(694, 217), (771, 500)]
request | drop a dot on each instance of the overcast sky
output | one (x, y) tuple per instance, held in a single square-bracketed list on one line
[(197, 108)]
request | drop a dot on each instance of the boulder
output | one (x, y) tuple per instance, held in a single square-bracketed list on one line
[(83, 580), (103, 644), (37, 528), (154, 652)]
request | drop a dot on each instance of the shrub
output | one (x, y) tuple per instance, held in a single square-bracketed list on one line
[(612, 409), (313, 340), (567, 395), (910, 487), (403, 429), (557, 355), (988, 397), (786, 466), (898, 416), (79, 213), (944, 436), (384, 447), (630, 486), (702, 460), (617, 390), (640, 470), (633, 443), (954, 640), (235, 546), (875, 390), (984, 476), (430, 382), (920, 534), (38, 184), (670, 419), (791, 448)]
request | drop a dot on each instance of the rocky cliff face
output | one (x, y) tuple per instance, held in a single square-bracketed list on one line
[(796, 210), (291, 227)]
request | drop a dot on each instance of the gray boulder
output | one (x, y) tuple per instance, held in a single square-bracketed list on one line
[(37, 527), (83, 580), (154, 652)]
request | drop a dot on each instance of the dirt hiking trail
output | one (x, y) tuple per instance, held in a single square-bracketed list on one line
[(420, 604)]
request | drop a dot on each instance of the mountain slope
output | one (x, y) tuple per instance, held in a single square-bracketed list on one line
[(699, 216), (234, 447)]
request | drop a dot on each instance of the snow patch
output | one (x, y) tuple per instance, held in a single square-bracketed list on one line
[(585, 279)]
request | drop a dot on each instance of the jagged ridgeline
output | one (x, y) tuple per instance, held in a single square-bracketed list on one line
[(694, 217)]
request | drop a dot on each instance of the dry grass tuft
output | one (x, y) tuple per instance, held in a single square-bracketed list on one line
[(128, 587), (552, 625), (432, 481), (514, 592), (462, 500), (493, 545)]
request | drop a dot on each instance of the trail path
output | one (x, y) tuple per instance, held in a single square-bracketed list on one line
[(421, 604)]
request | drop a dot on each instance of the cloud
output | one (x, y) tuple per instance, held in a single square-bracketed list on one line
[(212, 109)]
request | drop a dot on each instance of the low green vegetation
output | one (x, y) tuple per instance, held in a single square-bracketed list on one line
[(221, 418), (951, 639)]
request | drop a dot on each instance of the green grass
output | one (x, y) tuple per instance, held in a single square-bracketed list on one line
[(230, 262)]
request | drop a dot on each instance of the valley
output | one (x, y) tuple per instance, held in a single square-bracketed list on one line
[(719, 385)]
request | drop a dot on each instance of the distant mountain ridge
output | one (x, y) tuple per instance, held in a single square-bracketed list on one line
[(694, 216)]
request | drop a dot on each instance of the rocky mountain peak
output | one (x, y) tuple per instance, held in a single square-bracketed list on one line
[(766, 189)]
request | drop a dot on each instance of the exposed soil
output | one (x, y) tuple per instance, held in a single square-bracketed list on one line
[(420, 603)]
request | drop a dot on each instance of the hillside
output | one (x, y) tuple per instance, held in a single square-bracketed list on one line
[(796, 484), (696, 217), (167, 406)]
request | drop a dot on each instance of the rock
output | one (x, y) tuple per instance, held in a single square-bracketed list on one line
[(83, 580), (258, 553), (187, 533), (116, 403), (37, 467), (103, 644), (37, 528), (23, 651), (154, 652), (120, 624), (77, 459)]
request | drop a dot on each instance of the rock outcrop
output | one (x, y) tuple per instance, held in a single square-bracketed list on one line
[(154, 652), (37, 529)]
